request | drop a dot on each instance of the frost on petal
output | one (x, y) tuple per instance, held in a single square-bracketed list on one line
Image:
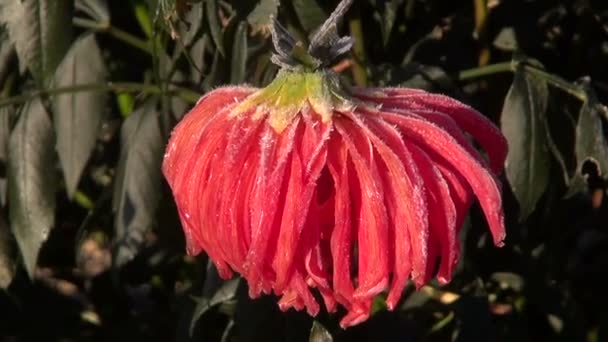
[(268, 199), (432, 138), (341, 237), (191, 129), (198, 133), (370, 218), (446, 123), (410, 224), (467, 118), (442, 214), (190, 182), (238, 165), (308, 160), (298, 296)]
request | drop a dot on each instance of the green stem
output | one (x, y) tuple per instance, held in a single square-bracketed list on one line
[(487, 70), (556, 81), (359, 73), (114, 32), (186, 94)]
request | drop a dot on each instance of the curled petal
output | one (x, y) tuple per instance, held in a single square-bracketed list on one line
[(467, 118), (340, 240), (370, 214), (432, 138), (442, 213)]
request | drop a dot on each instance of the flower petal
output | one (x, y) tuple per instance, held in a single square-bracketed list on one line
[(442, 212), (310, 151), (410, 222), (268, 199), (467, 118), (341, 236), (370, 214), (432, 138)]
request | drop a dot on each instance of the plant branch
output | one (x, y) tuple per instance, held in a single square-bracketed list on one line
[(358, 69), (117, 87), (556, 81), (487, 70), (117, 33)]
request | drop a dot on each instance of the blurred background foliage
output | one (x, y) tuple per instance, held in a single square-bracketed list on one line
[(90, 244)]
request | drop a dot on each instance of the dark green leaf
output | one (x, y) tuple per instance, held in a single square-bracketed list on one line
[(193, 20), (310, 14), (197, 55), (7, 52), (78, 115), (31, 181), (96, 9), (506, 39), (5, 131), (215, 26), (214, 78), (590, 142), (137, 185), (522, 122), (239, 54), (228, 332), (259, 18), (39, 32), (7, 259), (226, 292), (178, 105), (390, 14), (318, 333)]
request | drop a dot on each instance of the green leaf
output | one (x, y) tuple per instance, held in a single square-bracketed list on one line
[(226, 292), (590, 143), (506, 39), (6, 55), (197, 55), (142, 14), (259, 18), (214, 78), (31, 181), (390, 14), (137, 182), (5, 131), (194, 20), (78, 115), (96, 9), (7, 259), (310, 14), (239, 54), (318, 333), (522, 122), (215, 25), (39, 32)]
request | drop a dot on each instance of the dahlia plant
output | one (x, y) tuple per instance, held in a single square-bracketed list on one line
[(312, 185)]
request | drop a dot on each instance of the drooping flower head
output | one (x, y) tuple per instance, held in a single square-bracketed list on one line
[(312, 185)]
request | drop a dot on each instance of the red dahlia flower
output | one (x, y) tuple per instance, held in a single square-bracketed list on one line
[(309, 183)]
